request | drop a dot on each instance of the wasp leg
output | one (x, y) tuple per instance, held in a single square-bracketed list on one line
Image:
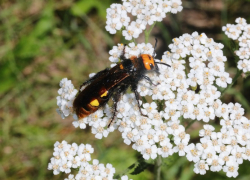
[(137, 97), (116, 98), (101, 73), (114, 114), (148, 79)]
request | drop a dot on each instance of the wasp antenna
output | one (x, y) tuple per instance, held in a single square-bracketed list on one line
[(163, 64), (155, 46), (155, 43)]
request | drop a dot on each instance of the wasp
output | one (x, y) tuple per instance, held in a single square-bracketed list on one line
[(113, 83)]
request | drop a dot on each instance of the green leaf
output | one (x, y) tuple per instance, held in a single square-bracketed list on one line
[(132, 166), (140, 167)]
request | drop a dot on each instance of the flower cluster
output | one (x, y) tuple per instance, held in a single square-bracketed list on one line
[(67, 156), (146, 12), (241, 32), (161, 133), (67, 94)]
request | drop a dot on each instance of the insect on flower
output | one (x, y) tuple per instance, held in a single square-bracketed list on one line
[(113, 83)]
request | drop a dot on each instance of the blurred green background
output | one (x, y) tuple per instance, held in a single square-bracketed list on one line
[(43, 41)]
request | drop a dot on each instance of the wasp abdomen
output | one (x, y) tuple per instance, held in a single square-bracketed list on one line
[(82, 113), (87, 102)]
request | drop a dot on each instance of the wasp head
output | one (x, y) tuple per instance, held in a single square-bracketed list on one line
[(149, 63)]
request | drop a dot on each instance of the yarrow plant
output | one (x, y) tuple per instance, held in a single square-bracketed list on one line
[(189, 91), (240, 32), (145, 12), (67, 156)]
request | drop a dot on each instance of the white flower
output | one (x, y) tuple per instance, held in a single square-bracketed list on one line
[(131, 32), (149, 152), (54, 165), (231, 169), (200, 167), (148, 18), (66, 153), (140, 143), (187, 109), (204, 145), (107, 171), (215, 163), (174, 127), (149, 109), (238, 152), (224, 135), (176, 6), (181, 137), (226, 123), (224, 80), (241, 21), (244, 65), (166, 149), (198, 113), (173, 114), (99, 129), (59, 146), (193, 154), (70, 177), (84, 159), (243, 53), (111, 27), (96, 167), (146, 48), (243, 41), (246, 154), (181, 148), (198, 51), (81, 123), (159, 14), (222, 110), (85, 149), (84, 171), (128, 135), (65, 166), (76, 162), (207, 131), (161, 137), (116, 52), (178, 51), (208, 114)]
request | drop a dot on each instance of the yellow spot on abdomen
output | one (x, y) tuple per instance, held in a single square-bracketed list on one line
[(94, 102), (121, 66), (104, 94)]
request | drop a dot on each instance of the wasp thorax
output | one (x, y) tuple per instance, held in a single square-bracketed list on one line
[(148, 61)]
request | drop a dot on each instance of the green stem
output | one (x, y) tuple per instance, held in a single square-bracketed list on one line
[(158, 163), (147, 32), (233, 82)]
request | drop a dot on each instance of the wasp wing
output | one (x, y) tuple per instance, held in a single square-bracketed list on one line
[(98, 91)]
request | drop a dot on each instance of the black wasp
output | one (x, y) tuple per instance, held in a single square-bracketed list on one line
[(113, 83)]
